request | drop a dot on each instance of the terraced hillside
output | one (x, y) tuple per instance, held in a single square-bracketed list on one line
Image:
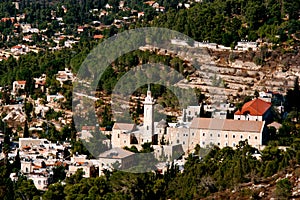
[(235, 73)]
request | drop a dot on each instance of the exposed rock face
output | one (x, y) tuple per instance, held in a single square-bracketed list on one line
[(238, 73)]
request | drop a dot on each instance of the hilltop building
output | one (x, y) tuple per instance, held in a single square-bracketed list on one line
[(255, 110), (169, 138)]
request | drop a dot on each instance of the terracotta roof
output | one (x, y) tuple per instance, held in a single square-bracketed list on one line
[(150, 3), (21, 82), (227, 124), (124, 126), (98, 36), (17, 47), (256, 107)]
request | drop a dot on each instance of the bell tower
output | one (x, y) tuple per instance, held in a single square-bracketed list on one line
[(148, 117)]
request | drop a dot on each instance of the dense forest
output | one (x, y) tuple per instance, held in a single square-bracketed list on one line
[(226, 22)]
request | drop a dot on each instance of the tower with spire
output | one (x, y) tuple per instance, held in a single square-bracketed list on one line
[(148, 117)]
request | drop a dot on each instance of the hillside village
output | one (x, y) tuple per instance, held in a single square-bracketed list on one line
[(247, 100), (54, 36), (169, 140)]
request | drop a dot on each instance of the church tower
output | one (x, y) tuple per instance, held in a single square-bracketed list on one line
[(148, 117)]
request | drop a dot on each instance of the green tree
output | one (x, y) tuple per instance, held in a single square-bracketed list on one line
[(283, 189)]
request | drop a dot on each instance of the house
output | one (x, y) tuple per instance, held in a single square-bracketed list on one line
[(85, 133), (245, 46), (54, 98), (116, 156), (63, 76), (266, 96), (121, 134), (168, 152), (98, 36), (41, 181), (16, 49), (80, 29), (70, 43), (255, 110), (27, 38), (190, 112), (29, 142), (18, 85), (86, 167), (103, 13), (107, 6), (40, 82), (149, 3), (141, 14)]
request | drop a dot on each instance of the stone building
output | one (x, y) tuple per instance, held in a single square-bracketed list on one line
[(255, 110), (166, 138)]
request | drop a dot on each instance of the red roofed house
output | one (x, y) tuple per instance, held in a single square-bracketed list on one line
[(98, 36), (255, 110), (16, 48), (18, 85), (80, 29)]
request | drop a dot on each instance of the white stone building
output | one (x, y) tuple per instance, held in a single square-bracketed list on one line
[(18, 85), (187, 133), (116, 156)]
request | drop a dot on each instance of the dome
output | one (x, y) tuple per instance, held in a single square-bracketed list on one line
[(162, 124)]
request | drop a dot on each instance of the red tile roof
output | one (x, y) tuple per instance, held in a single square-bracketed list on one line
[(98, 36), (17, 47), (227, 125), (256, 107), (21, 82)]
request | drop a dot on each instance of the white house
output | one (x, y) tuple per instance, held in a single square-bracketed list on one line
[(18, 85)]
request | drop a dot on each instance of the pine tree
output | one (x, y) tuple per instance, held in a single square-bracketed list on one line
[(26, 130)]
